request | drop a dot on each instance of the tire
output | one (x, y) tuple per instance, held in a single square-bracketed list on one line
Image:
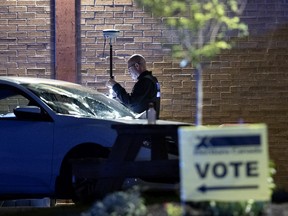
[(84, 189), (80, 190)]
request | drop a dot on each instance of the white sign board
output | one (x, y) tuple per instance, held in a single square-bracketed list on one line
[(224, 163)]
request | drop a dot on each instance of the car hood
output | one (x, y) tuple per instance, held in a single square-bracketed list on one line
[(144, 121)]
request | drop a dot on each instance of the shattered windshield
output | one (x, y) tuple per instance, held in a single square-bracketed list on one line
[(78, 100)]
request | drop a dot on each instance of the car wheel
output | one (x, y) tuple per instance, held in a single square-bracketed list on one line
[(84, 189), (79, 189)]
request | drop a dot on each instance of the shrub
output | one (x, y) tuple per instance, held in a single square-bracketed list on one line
[(119, 204)]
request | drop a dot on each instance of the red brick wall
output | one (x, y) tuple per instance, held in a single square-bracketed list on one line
[(249, 82), (139, 33), (25, 38)]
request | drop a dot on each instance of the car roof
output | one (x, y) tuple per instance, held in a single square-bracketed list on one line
[(22, 80)]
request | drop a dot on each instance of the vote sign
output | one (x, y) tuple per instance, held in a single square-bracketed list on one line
[(224, 163)]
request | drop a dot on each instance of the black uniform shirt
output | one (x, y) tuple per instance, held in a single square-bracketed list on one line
[(145, 90)]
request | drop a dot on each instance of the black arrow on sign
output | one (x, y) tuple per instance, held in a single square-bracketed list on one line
[(205, 188)]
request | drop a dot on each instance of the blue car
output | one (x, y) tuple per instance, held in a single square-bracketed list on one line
[(44, 124)]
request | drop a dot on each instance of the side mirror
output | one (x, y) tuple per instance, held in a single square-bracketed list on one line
[(28, 112)]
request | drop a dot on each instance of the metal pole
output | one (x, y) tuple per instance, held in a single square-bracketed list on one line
[(111, 60)]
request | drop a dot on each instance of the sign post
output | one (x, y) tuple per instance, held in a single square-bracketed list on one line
[(224, 163)]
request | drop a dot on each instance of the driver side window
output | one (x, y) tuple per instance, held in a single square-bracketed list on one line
[(9, 100)]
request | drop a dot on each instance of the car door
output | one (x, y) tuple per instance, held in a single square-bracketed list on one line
[(26, 147)]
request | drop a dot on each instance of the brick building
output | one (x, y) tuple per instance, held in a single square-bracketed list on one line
[(249, 82)]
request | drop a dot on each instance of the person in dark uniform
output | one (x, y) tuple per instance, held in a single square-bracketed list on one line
[(145, 90)]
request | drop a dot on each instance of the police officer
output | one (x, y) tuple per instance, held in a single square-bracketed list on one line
[(145, 90)]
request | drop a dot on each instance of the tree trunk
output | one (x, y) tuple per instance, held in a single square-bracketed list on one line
[(199, 95)]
